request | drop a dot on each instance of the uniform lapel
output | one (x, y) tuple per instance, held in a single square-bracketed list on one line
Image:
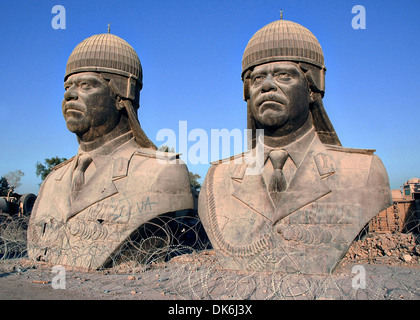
[(305, 187), (99, 187), (253, 193), (61, 186)]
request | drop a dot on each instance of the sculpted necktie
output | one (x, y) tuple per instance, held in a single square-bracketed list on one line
[(277, 182), (83, 162)]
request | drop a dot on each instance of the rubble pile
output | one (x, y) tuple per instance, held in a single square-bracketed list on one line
[(386, 248)]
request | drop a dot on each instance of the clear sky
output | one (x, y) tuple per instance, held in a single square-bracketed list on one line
[(191, 53)]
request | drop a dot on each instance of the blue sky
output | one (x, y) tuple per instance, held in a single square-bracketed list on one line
[(191, 53)]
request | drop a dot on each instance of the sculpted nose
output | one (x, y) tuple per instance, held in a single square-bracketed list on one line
[(268, 84), (70, 94)]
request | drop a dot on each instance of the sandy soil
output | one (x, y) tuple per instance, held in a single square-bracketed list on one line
[(198, 276)]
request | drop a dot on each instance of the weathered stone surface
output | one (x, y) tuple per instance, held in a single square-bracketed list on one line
[(117, 184), (323, 194)]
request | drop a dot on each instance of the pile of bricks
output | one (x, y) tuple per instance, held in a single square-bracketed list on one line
[(386, 248)]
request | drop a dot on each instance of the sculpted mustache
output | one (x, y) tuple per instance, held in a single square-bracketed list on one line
[(270, 97), (73, 105)]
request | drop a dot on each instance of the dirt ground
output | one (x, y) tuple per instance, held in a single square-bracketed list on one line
[(197, 276), (376, 267)]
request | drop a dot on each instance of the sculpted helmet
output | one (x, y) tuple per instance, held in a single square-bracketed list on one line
[(284, 40), (118, 63)]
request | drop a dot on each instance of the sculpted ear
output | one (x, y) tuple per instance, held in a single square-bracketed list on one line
[(247, 84), (315, 77), (120, 104), (125, 87)]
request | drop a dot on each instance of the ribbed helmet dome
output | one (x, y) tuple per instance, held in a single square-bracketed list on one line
[(282, 40), (105, 53)]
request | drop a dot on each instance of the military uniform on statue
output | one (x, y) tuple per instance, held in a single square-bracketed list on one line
[(297, 199), (90, 205)]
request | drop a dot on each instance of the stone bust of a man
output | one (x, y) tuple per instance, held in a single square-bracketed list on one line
[(90, 205), (306, 197)]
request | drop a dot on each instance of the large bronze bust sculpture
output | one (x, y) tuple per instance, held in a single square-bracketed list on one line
[(306, 197), (91, 204)]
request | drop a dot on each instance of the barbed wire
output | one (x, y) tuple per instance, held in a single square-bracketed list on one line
[(172, 257), (13, 236)]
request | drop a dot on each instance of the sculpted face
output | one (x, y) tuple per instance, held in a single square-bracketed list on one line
[(89, 106), (279, 97)]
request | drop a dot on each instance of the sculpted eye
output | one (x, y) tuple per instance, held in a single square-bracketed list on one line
[(283, 77), (258, 80), (84, 85)]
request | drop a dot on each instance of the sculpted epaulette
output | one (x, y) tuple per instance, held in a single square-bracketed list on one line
[(231, 159), (349, 150), (157, 154)]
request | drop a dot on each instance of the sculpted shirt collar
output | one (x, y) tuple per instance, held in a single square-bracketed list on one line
[(296, 150), (106, 149)]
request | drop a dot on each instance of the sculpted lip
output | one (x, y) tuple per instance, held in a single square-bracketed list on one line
[(270, 99), (271, 102), (73, 107)]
